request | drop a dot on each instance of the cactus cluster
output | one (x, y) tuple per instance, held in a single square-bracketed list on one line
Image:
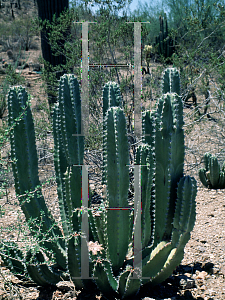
[(163, 212), (163, 41), (212, 176)]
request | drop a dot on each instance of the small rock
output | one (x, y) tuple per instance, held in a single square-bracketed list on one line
[(146, 80), (186, 282), (222, 271), (202, 287), (202, 275), (36, 67), (10, 54), (65, 285), (2, 293), (215, 269), (211, 292), (201, 248)]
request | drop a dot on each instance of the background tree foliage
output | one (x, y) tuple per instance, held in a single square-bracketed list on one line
[(196, 27)]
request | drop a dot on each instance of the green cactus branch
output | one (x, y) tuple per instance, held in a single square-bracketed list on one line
[(117, 182), (25, 171)]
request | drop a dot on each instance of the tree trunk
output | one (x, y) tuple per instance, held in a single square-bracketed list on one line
[(46, 10)]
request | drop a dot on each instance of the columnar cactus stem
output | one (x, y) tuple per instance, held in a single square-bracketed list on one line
[(145, 159), (70, 113), (25, 170), (60, 169), (74, 260), (40, 272), (171, 81), (69, 151), (111, 96), (163, 40), (117, 181), (163, 131)]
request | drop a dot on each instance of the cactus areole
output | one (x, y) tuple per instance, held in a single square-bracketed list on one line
[(162, 215)]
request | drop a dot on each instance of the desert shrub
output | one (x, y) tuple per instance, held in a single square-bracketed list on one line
[(11, 78), (19, 34)]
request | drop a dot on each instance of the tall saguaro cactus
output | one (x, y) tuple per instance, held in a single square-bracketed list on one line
[(47, 9), (162, 223)]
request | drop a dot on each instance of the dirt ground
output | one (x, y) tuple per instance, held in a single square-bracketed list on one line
[(201, 274)]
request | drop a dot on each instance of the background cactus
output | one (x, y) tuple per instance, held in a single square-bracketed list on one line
[(163, 41), (47, 10), (212, 177), (167, 196)]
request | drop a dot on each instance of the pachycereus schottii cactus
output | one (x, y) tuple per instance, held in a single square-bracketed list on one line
[(163, 42), (212, 176), (162, 222)]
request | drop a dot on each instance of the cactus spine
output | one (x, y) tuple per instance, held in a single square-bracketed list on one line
[(168, 197), (212, 177)]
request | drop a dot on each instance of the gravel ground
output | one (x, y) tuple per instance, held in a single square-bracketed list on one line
[(201, 274)]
